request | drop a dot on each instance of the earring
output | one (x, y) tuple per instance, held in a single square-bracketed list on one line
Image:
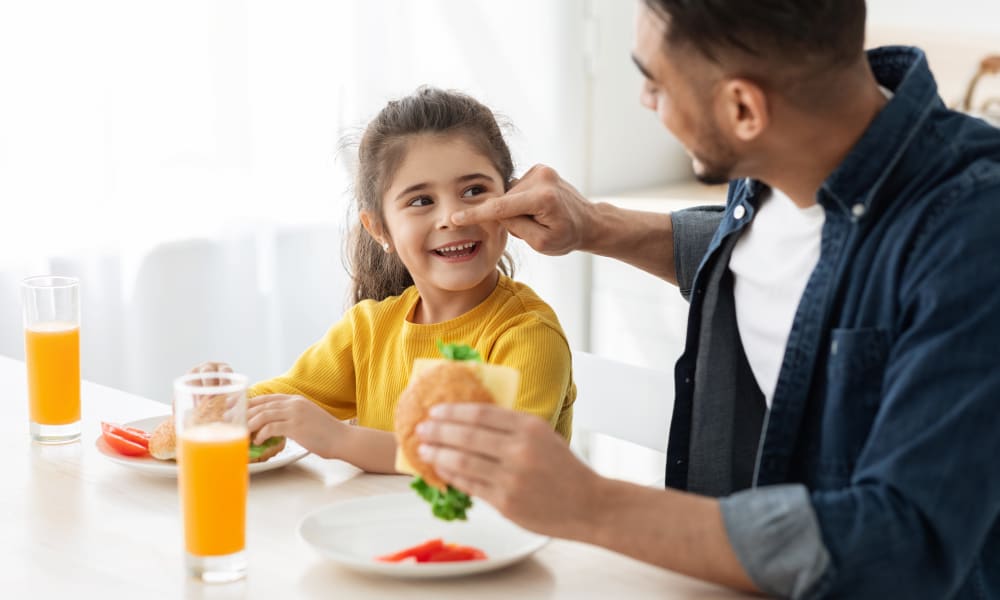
[(385, 246)]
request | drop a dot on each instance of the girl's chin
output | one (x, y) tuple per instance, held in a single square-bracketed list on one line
[(455, 282)]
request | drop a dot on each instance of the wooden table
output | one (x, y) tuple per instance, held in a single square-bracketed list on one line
[(74, 524)]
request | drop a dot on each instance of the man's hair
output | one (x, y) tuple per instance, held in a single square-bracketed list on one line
[(818, 34)]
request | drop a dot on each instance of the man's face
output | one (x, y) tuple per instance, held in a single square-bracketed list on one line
[(679, 89)]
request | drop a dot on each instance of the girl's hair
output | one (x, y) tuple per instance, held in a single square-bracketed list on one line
[(377, 274)]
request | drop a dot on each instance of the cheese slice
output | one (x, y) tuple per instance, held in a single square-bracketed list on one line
[(500, 381)]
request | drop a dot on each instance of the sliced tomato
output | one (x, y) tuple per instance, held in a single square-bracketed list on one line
[(136, 436), (124, 446), (455, 553), (420, 552)]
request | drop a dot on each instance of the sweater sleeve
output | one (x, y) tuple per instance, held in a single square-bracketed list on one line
[(541, 354), (324, 373)]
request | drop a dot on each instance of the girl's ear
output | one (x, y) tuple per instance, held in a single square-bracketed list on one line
[(372, 226)]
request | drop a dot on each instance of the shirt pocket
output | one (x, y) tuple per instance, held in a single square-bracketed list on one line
[(856, 365), (854, 373)]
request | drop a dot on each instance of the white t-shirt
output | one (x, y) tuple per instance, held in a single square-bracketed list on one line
[(771, 264)]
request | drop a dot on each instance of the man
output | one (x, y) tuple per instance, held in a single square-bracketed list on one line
[(837, 411)]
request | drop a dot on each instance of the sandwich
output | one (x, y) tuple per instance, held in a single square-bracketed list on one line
[(460, 376), (163, 439)]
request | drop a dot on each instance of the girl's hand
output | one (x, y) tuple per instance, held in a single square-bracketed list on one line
[(295, 417), (211, 367)]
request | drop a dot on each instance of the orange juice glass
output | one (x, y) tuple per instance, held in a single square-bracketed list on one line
[(213, 449), (51, 309)]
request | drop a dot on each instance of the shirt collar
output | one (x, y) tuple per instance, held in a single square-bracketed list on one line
[(853, 184)]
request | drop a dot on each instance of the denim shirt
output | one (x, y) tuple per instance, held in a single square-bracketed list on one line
[(877, 469)]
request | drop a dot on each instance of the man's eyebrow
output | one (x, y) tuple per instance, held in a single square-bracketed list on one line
[(642, 69)]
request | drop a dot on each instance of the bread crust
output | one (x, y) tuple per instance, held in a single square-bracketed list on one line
[(163, 441), (447, 381)]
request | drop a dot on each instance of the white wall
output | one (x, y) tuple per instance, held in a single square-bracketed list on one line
[(953, 16), (955, 36), (629, 148)]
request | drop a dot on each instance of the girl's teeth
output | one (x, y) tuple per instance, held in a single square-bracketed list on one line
[(461, 248)]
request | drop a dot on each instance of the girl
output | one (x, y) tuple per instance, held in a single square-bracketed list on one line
[(417, 279)]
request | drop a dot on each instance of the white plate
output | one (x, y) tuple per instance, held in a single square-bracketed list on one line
[(354, 532), (168, 468)]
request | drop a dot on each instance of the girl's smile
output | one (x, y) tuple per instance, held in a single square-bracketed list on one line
[(460, 251)]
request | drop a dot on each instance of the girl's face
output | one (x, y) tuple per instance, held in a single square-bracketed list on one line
[(439, 176)]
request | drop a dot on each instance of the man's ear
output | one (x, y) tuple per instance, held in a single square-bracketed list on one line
[(373, 226), (745, 110)]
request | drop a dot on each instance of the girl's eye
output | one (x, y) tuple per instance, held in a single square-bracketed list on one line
[(474, 191), (421, 201)]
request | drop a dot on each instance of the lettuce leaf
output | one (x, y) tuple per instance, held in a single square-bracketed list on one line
[(450, 505), (256, 450), (458, 352)]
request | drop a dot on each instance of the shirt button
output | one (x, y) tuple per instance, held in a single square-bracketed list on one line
[(858, 210), (739, 212)]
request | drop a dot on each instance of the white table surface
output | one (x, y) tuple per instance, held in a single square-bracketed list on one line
[(73, 524)]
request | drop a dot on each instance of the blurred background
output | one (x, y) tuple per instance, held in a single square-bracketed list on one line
[(182, 158)]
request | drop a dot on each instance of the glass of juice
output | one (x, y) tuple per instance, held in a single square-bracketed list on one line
[(51, 310), (213, 445)]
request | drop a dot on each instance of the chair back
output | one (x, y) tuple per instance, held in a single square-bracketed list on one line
[(622, 401)]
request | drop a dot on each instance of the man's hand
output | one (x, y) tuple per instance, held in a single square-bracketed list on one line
[(553, 218), (515, 462), (518, 464), (542, 209)]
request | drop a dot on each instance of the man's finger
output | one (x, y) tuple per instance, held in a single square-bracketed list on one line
[(486, 416), (470, 485), (508, 206), (470, 467), (486, 442)]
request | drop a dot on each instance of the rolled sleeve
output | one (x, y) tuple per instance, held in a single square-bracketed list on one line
[(693, 230), (776, 536)]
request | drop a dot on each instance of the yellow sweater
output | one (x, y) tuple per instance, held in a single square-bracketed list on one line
[(363, 363)]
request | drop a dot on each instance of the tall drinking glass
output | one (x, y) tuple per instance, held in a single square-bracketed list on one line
[(51, 310), (210, 418)]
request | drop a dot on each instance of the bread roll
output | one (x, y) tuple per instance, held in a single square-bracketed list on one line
[(163, 441), (437, 381)]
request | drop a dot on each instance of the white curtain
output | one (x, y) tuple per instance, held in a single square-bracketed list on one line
[(181, 158)]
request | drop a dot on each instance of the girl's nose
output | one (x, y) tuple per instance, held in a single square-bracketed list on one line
[(444, 214)]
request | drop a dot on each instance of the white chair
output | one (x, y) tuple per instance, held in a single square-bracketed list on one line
[(622, 401), (621, 418), (193, 300)]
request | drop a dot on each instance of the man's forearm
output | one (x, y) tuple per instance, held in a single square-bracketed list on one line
[(672, 529), (642, 239)]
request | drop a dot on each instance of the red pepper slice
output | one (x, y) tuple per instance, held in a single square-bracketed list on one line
[(136, 436), (123, 446), (419, 552), (456, 553)]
